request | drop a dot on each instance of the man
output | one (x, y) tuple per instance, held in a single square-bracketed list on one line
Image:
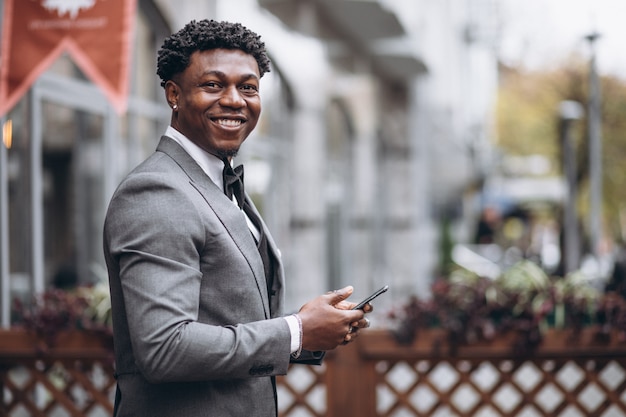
[(196, 280)]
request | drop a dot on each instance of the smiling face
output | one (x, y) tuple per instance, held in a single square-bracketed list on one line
[(215, 100)]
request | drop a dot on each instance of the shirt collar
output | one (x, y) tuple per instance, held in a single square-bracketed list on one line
[(210, 164)]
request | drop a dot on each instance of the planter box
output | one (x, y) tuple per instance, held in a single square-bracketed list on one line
[(431, 343), (16, 344)]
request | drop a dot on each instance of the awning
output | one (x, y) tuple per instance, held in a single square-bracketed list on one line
[(361, 23), (361, 20)]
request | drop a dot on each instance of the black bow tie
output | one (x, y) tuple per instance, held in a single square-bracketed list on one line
[(233, 182)]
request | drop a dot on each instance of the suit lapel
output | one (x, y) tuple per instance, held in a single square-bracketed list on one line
[(224, 209)]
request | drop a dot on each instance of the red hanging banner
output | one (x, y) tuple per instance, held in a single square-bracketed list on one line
[(97, 34)]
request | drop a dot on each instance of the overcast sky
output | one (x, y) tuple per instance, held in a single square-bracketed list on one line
[(544, 32)]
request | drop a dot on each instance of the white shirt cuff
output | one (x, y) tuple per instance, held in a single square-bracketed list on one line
[(294, 328)]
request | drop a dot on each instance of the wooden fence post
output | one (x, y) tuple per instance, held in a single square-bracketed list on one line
[(350, 383)]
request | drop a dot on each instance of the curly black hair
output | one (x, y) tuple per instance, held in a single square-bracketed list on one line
[(173, 57)]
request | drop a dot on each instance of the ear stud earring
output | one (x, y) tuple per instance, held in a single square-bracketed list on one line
[(175, 107)]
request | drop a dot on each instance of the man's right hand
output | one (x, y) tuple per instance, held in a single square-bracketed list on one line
[(324, 326)]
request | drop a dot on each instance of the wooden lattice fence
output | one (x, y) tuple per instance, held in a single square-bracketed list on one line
[(72, 377), (567, 375)]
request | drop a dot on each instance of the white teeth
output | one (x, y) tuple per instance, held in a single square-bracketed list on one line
[(229, 122)]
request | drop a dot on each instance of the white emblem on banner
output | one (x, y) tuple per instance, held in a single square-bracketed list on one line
[(68, 6)]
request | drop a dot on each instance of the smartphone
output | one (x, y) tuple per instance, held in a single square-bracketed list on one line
[(371, 297)]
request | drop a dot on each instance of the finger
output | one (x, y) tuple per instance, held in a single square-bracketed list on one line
[(350, 335), (338, 296), (345, 305), (364, 323), (354, 334)]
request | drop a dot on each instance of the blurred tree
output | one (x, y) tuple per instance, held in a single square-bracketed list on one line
[(527, 124), (614, 152), (526, 108)]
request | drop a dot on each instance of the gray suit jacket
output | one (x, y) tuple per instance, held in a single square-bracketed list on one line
[(195, 331)]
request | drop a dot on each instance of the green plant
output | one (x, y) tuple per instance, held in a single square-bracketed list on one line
[(55, 310), (522, 300)]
